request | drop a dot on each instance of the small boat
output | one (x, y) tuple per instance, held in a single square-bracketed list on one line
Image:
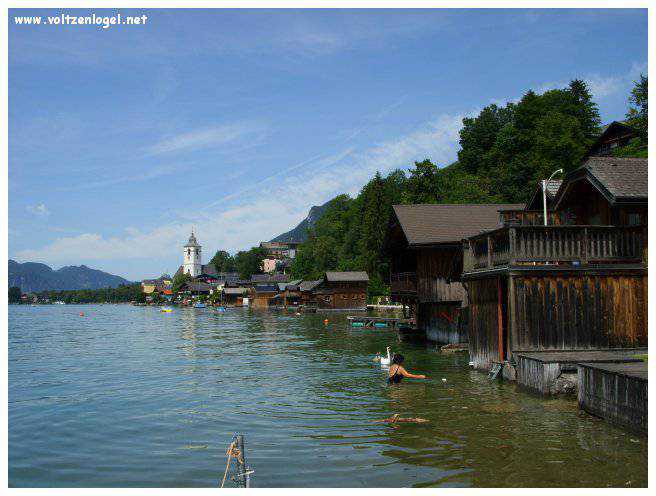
[(220, 309), (199, 305), (59, 303), (166, 310)]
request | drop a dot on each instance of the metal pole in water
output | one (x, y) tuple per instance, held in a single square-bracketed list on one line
[(246, 478)]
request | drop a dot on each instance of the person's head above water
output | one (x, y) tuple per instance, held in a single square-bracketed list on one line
[(398, 359)]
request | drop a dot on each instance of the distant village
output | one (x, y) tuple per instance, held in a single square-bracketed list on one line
[(271, 289)]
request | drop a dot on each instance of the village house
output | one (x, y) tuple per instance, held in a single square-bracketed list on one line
[(279, 255), (424, 244), (577, 284), (234, 297), (290, 293), (615, 135), (160, 287), (262, 294), (268, 278), (306, 291), (196, 288), (342, 291)]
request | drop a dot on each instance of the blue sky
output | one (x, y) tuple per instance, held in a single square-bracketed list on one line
[(238, 121)]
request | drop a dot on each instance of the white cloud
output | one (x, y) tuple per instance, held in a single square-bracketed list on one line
[(40, 210), (148, 174), (207, 137), (265, 209)]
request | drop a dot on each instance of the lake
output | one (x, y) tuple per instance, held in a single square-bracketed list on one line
[(130, 397)]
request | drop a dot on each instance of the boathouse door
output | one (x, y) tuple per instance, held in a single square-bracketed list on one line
[(502, 315)]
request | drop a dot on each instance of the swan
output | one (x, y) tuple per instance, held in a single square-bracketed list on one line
[(386, 360)]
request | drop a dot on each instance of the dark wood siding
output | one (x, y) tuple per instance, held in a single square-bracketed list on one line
[(342, 295), (483, 322), (444, 323), (579, 311), (435, 270)]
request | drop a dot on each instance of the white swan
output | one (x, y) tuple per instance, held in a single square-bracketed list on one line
[(386, 360)]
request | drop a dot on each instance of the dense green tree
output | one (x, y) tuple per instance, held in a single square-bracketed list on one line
[(513, 147), (178, 280), (422, 186), (223, 261), (250, 262), (122, 294), (637, 116), (14, 294)]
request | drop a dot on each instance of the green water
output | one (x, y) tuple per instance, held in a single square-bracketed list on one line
[(130, 397)]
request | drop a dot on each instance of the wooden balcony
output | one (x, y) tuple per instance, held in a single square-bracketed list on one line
[(403, 283), (555, 245)]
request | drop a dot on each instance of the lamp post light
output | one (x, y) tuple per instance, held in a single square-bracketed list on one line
[(544, 193)]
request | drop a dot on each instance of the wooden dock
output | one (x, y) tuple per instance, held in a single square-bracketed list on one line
[(378, 322), (555, 372), (616, 392)]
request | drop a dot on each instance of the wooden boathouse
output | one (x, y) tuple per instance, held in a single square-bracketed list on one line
[(578, 285), (342, 291), (424, 244)]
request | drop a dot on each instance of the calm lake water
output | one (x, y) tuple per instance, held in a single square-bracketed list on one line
[(128, 396)]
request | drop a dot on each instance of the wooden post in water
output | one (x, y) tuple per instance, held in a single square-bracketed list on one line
[(500, 318)]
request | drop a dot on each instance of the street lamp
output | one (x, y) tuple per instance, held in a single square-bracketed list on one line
[(544, 192)]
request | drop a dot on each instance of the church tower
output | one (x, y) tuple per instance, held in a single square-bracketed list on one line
[(193, 264)]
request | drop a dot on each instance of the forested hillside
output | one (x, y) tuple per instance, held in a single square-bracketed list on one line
[(504, 152)]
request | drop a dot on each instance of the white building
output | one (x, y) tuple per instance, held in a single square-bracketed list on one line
[(192, 264)]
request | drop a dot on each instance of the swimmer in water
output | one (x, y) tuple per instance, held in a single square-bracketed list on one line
[(397, 372)]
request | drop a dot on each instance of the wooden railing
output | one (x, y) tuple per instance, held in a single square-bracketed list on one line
[(575, 245), (403, 282)]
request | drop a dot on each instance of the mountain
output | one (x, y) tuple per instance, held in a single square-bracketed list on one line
[(35, 277), (299, 233)]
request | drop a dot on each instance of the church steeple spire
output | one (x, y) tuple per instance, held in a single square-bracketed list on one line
[(193, 264)]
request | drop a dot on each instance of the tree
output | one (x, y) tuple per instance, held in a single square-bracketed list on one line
[(223, 261), (250, 262), (14, 294), (178, 280), (422, 185), (637, 116)]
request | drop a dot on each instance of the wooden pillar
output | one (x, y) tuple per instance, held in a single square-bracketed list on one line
[(489, 251), (500, 318), (513, 337)]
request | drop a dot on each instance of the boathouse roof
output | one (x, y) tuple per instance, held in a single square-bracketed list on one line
[(617, 179), (352, 276), (429, 224), (266, 288), (197, 286), (272, 278), (234, 291), (309, 285), (622, 177)]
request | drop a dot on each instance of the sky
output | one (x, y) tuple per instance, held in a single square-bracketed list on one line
[(236, 122)]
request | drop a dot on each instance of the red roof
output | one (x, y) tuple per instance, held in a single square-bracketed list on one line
[(167, 292)]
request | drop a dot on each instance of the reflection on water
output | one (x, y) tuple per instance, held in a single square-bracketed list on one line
[(128, 396)]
